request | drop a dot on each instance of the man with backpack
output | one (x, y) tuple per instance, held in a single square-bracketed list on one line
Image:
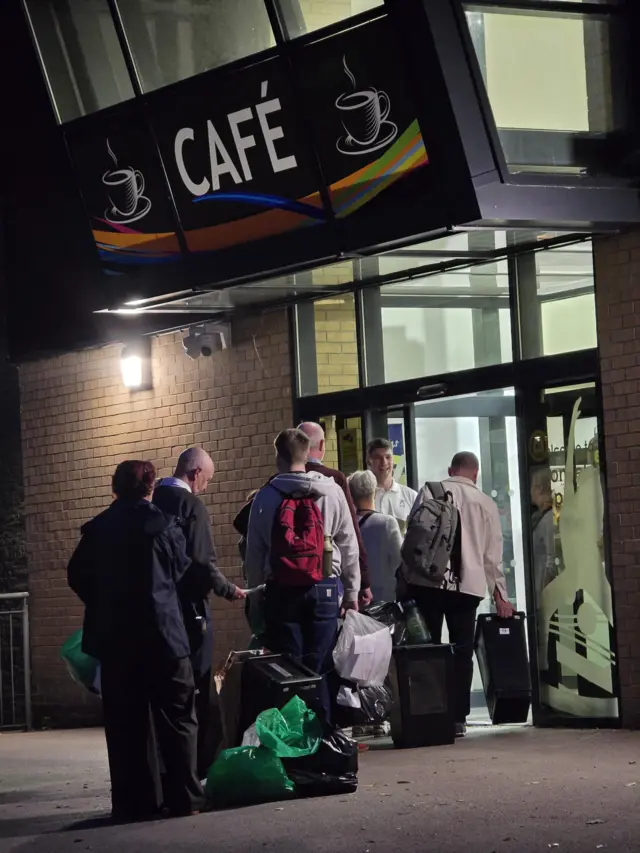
[(301, 542), (452, 552)]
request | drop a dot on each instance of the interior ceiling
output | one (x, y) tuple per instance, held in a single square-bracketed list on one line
[(411, 270)]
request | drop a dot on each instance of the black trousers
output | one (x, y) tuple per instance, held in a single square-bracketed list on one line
[(150, 726), (206, 746), (459, 609)]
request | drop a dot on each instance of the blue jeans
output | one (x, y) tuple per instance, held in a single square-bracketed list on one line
[(302, 622)]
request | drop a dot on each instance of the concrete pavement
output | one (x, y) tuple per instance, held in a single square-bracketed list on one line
[(510, 790)]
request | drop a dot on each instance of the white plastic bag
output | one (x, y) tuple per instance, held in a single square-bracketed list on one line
[(363, 650), (251, 737), (348, 697)]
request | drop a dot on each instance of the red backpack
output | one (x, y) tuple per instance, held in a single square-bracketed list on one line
[(297, 542)]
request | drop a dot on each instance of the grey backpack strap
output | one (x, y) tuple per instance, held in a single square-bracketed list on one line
[(437, 490)]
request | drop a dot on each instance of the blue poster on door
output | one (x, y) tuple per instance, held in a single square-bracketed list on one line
[(396, 437)]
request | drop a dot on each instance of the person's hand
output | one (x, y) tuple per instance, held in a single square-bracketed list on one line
[(504, 609), (348, 605), (366, 597), (239, 594)]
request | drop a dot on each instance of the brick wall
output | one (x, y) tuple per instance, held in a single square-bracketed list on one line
[(79, 422), (617, 266), (13, 568)]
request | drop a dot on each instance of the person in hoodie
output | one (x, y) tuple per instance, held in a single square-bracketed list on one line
[(301, 616), (179, 496), (125, 570)]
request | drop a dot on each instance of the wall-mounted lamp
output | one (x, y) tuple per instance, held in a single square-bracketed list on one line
[(135, 365)]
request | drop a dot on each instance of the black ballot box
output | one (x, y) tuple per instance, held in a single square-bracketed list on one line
[(501, 650), (269, 681), (423, 683)]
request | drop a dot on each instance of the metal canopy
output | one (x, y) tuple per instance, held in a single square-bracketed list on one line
[(411, 265)]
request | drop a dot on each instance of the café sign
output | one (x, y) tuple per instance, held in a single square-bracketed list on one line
[(327, 145)]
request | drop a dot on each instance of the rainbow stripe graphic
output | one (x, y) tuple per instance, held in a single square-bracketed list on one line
[(125, 246)]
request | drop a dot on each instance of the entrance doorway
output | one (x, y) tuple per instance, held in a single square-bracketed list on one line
[(426, 435), (541, 462)]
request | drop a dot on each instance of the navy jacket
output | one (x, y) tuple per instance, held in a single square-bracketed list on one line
[(203, 576), (125, 570)]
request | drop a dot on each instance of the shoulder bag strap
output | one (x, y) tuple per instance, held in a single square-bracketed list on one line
[(362, 519)]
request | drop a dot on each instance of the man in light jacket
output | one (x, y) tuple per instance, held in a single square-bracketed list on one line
[(302, 621), (481, 568)]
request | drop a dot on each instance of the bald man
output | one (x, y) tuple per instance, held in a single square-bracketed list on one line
[(480, 568), (316, 436), (178, 496)]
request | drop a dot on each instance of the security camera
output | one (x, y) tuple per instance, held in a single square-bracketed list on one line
[(206, 339)]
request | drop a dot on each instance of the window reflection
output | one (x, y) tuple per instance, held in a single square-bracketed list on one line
[(306, 16), (457, 320), (557, 301), (336, 343), (81, 54), (175, 39), (548, 79)]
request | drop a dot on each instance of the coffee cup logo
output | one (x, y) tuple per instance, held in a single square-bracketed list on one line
[(365, 119), (125, 188)]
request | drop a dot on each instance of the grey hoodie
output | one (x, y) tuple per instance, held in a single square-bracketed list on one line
[(337, 523)]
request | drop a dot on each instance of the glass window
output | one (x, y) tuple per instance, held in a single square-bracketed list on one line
[(176, 39), (336, 343), (572, 590), (80, 51), (549, 83), (557, 301), (456, 320), (305, 16)]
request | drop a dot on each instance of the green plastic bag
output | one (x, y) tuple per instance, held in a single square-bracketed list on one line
[(82, 667), (246, 775), (293, 732)]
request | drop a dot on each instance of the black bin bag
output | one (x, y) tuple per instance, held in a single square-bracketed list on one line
[(333, 769), (391, 614)]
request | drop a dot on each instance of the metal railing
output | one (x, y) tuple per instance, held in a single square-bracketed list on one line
[(15, 661)]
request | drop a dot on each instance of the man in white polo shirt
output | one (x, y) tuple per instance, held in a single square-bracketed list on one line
[(392, 498)]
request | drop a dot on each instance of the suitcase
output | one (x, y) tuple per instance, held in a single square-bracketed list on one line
[(501, 650), (423, 682), (269, 681)]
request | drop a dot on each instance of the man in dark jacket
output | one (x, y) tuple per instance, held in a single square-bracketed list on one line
[(178, 496), (316, 436), (125, 570)]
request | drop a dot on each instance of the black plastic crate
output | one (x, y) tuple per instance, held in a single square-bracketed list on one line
[(501, 649), (269, 681), (423, 712)]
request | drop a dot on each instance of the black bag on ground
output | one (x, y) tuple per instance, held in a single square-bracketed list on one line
[(375, 705), (376, 702), (333, 769), (389, 613)]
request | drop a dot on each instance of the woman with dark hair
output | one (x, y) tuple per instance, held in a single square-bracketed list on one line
[(125, 570)]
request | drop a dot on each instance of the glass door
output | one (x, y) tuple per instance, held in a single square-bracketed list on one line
[(426, 436), (570, 585)]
